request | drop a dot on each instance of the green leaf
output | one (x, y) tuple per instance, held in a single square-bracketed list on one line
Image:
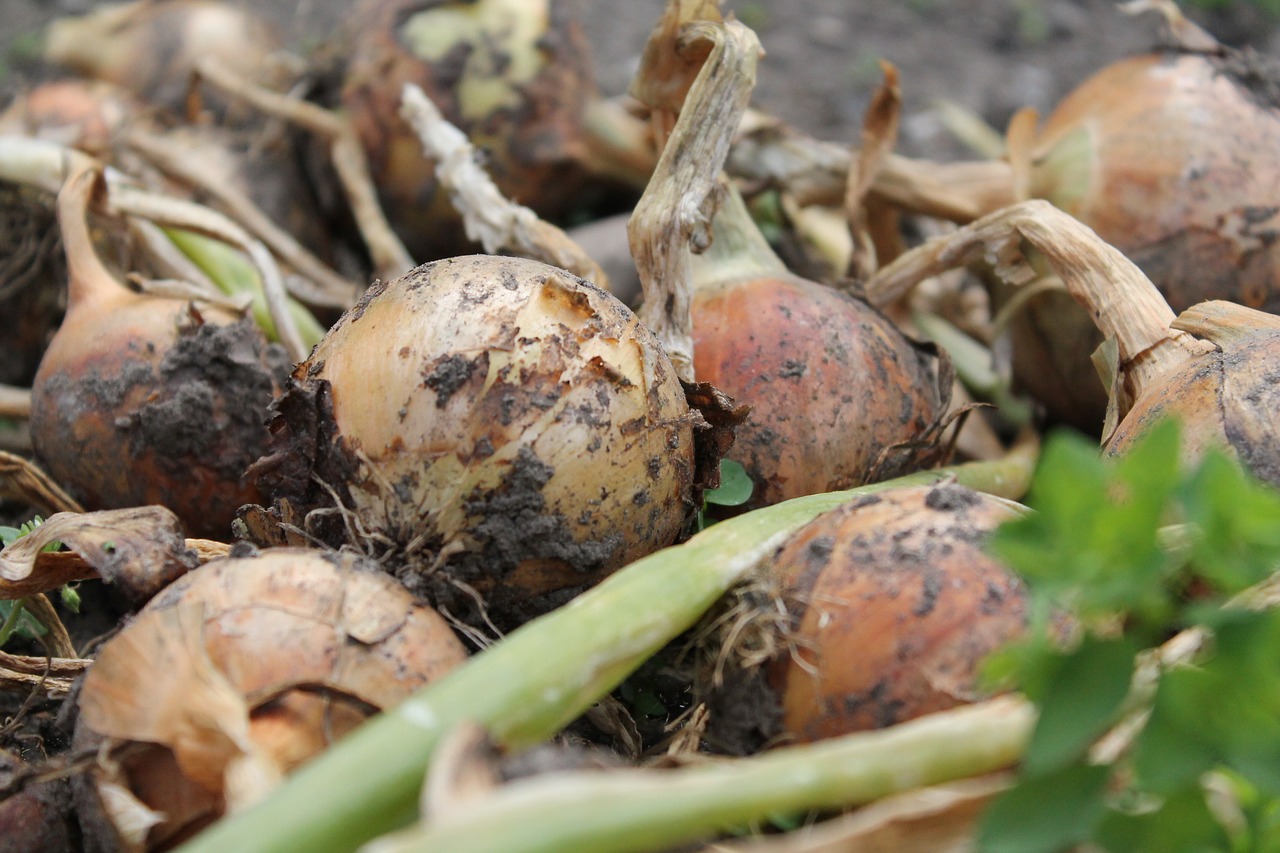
[(1046, 814), (1236, 522), (735, 485), (1183, 822), (1081, 702), (70, 598)]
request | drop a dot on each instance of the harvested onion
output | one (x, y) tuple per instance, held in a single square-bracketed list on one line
[(895, 604), (513, 75), (147, 400), (235, 675), (497, 423)]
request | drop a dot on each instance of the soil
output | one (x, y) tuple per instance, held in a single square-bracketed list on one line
[(823, 57)]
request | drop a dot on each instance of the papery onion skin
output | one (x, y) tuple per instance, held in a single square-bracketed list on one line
[(839, 396), (497, 422), (514, 75), (314, 642), (895, 604)]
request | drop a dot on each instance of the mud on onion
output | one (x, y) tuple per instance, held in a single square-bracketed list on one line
[(488, 423)]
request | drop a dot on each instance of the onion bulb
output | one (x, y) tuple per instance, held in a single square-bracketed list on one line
[(500, 425), (839, 395), (152, 48), (513, 75), (147, 400), (1172, 158), (235, 675)]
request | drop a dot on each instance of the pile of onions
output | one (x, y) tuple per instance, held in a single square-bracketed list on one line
[(513, 75), (147, 400), (235, 675), (1171, 157), (505, 429)]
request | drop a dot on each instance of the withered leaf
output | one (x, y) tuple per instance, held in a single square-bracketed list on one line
[(139, 549)]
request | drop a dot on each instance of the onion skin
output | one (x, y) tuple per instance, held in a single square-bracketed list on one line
[(513, 75), (895, 604), (307, 644), (832, 383), (495, 418)]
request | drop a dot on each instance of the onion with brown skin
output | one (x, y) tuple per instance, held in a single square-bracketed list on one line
[(839, 395), (1172, 158), (1210, 367), (893, 604), (147, 400), (495, 426), (513, 75), (235, 675)]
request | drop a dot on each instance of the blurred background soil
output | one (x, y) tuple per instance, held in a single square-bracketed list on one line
[(823, 56)]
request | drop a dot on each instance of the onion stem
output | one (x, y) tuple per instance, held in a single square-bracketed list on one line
[(637, 810), (528, 686)]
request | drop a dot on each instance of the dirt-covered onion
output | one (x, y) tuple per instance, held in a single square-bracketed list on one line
[(147, 400), (513, 75), (235, 675), (497, 423), (892, 603)]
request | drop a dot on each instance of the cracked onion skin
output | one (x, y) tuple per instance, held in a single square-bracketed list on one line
[(895, 604), (495, 422)]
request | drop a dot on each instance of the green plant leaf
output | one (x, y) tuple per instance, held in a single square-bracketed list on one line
[(1080, 703), (735, 485), (1183, 822), (1047, 813)]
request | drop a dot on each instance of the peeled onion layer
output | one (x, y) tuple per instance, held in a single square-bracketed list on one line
[(493, 424)]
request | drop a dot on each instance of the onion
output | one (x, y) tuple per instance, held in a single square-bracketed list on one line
[(498, 424), (513, 75), (839, 395), (147, 400), (892, 604), (151, 48), (1211, 367), (1172, 158), (235, 675)]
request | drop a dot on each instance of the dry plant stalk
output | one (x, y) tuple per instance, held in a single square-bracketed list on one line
[(1125, 305), (673, 217), (491, 219), (15, 402), (873, 224), (390, 258), (23, 480)]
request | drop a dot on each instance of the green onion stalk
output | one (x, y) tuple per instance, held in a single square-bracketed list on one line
[(542, 676)]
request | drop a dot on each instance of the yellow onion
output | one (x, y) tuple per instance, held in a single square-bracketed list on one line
[(1172, 158), (498, 423), (147, 400), (513, 75), (151, 47), (892, 604), (839, 396), (235, 675)]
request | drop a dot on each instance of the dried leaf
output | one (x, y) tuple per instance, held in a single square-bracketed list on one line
[(140, 549), (879, 138)]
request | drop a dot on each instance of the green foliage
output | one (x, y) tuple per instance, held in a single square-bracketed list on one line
[(734, 490), (1203, 769), (14, 617)]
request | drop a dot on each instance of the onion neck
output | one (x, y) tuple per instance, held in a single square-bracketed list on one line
[(738, 250), (88, 279)]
